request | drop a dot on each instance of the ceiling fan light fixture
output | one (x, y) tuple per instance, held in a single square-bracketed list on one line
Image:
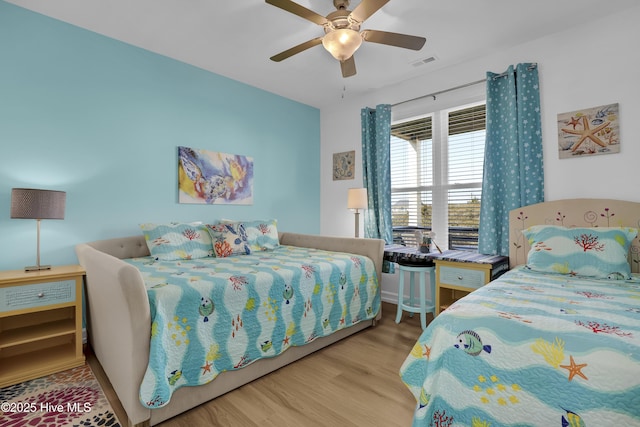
[(342, 43)]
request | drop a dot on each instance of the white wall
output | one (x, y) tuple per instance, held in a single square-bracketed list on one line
[(585, 66)]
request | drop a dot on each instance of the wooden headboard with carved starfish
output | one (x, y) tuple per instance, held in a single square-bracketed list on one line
[(573, 213)]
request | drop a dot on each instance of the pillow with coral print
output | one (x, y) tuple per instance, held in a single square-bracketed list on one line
[(599, 252), (229, 239), (262, 235), (173, 241)]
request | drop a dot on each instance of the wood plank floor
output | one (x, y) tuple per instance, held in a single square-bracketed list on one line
[(354, 382)]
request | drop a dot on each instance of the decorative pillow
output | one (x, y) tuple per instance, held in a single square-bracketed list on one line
[(174, 241), (228, 239), (594, 252), (262, 235)]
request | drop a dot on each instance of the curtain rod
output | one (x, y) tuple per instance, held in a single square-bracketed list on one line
[(440, 92), (531, 67)]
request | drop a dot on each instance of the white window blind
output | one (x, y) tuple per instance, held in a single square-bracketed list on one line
[(436, 175)]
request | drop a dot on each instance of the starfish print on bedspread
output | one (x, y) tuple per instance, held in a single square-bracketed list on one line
[(574, 369)]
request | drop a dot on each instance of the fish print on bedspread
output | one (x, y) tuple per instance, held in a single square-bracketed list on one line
[(213, 315), (531, 349)]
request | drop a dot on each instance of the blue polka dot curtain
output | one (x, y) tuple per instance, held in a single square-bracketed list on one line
[(376, 174), (513, 169)]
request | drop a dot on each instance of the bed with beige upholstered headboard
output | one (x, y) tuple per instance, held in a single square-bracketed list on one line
[(120, 324), (573, 213)]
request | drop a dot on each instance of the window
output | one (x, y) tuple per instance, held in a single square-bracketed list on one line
[(436, 176)]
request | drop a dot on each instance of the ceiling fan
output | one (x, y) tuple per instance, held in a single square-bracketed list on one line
[(342, 31)]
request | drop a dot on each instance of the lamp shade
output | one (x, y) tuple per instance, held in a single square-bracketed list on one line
[(357, 198), (29, 203), (342, 43)]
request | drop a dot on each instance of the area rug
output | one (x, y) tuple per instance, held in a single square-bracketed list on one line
[(64, 399)]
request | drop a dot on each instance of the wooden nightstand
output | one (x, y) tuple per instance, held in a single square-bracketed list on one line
[(40, 322), (459, 273)]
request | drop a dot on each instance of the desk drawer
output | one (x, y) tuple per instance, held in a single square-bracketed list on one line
[(462, 277), (37, 295)]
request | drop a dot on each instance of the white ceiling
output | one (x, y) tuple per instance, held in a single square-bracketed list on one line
[(235, 38)]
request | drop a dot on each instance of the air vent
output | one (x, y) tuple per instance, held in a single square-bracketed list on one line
[(423, 61)]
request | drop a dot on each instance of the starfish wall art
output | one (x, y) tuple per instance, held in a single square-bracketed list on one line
[(589, 131)]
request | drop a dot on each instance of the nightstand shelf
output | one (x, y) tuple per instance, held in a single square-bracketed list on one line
[(35, 364), (448, 296), (40, 322), (27, 334), (459, 273)]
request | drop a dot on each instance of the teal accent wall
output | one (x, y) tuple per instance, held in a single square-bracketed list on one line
[(102, 120)]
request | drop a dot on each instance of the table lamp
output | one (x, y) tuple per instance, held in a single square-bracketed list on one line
[(357, 199), (29, 203)]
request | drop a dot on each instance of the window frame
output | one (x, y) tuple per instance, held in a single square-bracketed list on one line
[(440, 186)]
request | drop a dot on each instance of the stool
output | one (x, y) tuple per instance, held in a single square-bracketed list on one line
[(421, 304)]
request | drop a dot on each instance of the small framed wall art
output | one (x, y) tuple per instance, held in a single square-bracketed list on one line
[(344, 165), (588, 132)]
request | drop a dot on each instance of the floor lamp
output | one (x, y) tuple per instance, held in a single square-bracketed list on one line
[(28, 203), (357, 199)]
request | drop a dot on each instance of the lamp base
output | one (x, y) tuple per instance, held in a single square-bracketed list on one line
[(37, 268), (357, 223)]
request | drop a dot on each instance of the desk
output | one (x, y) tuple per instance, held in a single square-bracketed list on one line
[(407, 255), (459, 273)]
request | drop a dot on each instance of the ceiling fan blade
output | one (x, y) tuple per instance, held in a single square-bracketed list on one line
[(296, 49), (394, 39), (366, 8), (348, 67), (301, 11)]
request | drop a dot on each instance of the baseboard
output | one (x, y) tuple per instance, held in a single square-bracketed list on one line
[(390, 297)]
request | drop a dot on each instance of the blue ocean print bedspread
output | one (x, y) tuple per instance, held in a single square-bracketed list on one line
[(531, 349), (213, 315)]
